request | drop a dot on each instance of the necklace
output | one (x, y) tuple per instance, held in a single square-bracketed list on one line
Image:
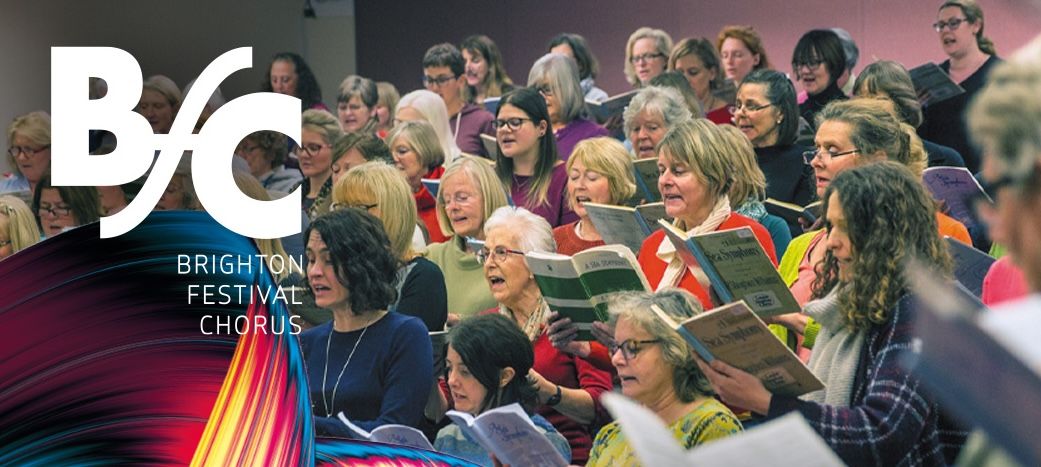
[(328, 343)]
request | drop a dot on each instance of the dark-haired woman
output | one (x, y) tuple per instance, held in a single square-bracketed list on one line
[(486, 367), (290, 75), (818, 61), (374, 367), (60, 208), (575, 46), (971, 56), (872, 411), (485, 74), (527, 162)]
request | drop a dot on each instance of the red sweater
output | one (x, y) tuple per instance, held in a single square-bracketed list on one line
[(654, 268), (427, 207), (569, 243)]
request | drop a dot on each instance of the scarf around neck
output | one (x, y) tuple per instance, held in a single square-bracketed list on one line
[(667, 251), (836, 352)]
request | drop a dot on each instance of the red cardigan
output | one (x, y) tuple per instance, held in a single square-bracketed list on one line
[(654, 268), (426, 206)]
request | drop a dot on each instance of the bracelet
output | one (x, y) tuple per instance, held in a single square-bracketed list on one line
[(554, 399)]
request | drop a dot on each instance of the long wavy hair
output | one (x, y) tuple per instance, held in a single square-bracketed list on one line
[(889, 217), (307, 89), (496, 81)]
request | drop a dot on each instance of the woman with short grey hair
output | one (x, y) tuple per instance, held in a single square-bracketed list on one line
[(651, 113), (555, 76)]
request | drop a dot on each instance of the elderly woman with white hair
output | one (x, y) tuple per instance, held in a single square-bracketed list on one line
[(651, 113), (556, 78), (428, 106), (569, 387)]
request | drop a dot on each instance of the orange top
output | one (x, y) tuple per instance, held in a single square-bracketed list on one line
[(950, 227)]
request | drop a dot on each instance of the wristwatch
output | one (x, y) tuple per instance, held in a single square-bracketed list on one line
[(554, 399)]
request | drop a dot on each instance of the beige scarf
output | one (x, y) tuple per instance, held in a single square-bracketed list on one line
[(667, 251), (536, 324)]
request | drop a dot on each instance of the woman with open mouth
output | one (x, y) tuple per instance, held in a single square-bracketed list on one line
[(818, 60), (28, 153), (485, 74), (600, 171), (356, 105), (651, 113), (657, 369), (646, 55)]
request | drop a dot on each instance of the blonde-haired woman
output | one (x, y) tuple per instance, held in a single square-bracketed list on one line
[(699, 62), (18, 229), (380, 189), (599, 171), (160, 101), (315, 152), (695, 178), (385, 106), (428, 106), (28, 152), (748, 191), (416, 152), (646, 55), (470, 192)]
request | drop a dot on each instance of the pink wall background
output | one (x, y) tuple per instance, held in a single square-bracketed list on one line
[(392, 36)]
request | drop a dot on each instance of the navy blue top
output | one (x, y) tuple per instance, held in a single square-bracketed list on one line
[(388, 379)]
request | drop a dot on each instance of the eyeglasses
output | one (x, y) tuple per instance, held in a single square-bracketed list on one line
[(432, 81), (14, 151), (458, 198), (545, 90), (746, 108), (363, 207), (513, 123), (56, 211), (311, 149), (499, 253), (812, 64), (645, 57), (630, 347), (950, 24), (810, 155)]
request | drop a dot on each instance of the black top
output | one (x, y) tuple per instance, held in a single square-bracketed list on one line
[(945, 120), (813, 104), (423, 294), (788, 177), (940, 155)]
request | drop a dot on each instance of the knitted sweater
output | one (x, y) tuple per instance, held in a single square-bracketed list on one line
[(468, 291)]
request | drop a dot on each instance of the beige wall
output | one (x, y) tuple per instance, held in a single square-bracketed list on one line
[(175, 38)]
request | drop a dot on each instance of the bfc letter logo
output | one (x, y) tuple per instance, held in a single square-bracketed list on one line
[(74, 114)]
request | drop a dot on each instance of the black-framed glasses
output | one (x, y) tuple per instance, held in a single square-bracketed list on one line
[(812, 64), (499, 253), (950, 24), (56, 211), (14, 151), (645, 57), (631, 347), (311, 149), (810, 155), (363, 207), (437, 81), (513, 123), (746, 108)]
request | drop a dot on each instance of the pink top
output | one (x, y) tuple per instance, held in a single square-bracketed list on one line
[(1003, 282), (802, 288)]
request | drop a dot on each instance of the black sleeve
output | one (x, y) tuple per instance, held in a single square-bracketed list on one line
[(805, 188), (424, 295)]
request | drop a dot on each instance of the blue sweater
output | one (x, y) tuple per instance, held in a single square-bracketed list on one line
[(387, 381)]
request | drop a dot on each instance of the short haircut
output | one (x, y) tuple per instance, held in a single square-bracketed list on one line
[(496, 79), (445, 54), (531, 102), (700, 145), (432, 108), (482, 176), (688, 381), (369, 146), (82, 200), (706, 52), (608, 157), (34, 126), (560, 73), (361, 87), (165, 87), (676, 80), (388, 97), (22, 229), (749, 182), (361, 257), (532, 231), (874, 129), (588, 67), (662, 45), (382, 184), (488, 344), (307, 89), (655, 99), (275, 145), (891, 79), (781, 93), (322, 122), (748, 36), (823, 45), (421, 137)]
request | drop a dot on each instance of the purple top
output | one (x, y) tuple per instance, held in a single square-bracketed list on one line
[(578, 130), (475, 121), (555, 210)]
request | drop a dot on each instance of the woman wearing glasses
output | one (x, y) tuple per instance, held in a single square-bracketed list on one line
[(767, 114), (320, 129), (657, 369), (527, 162), (818, 61), (28, 152), (971, 56), (569, 387), (379, 189), (698, 61), (470, 192), (646, 55), (265, 153), (60, 208), (416, 152), (18, 229), (556, 78)]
